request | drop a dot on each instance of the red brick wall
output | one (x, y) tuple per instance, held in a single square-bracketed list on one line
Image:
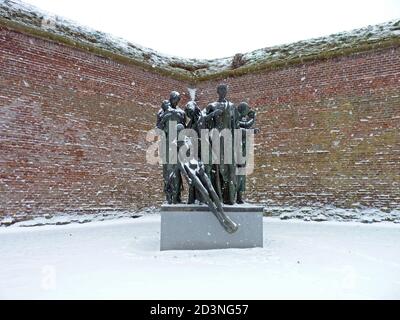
[(73, 125), (330, 130), (72, 129)]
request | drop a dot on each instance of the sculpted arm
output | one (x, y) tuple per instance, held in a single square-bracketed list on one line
[(248, 123), (164, 119), (212, 112), (159, 116)]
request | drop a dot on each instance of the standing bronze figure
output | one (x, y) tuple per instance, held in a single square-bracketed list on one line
[(247, 120), (223, 116), (226, 119), (169, 113)]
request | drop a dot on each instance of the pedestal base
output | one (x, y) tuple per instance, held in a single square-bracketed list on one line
[(194, 227)]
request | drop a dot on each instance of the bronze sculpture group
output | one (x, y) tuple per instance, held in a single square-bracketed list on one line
[(210, 182)]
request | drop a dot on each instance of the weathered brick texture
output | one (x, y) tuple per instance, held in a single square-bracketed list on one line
[(73, 127), (330, 130)]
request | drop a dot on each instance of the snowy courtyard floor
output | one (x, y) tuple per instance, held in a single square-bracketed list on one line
[(120, 259)]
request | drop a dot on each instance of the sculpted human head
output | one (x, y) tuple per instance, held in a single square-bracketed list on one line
[(174, 98), (222, 90), (192, 110), (165, 105), (243, 109)]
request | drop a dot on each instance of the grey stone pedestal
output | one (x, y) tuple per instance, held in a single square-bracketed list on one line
[(194, 227)]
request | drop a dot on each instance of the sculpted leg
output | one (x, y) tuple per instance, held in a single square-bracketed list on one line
[(228, 224), (207, 183)]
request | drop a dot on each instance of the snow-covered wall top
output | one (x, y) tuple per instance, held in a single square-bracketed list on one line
[(31, 19)]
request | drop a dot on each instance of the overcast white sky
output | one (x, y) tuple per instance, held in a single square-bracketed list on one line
[(220, 28)]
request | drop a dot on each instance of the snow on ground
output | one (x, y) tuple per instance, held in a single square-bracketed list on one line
[(121, 259), (82, 216), (329, 212)]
